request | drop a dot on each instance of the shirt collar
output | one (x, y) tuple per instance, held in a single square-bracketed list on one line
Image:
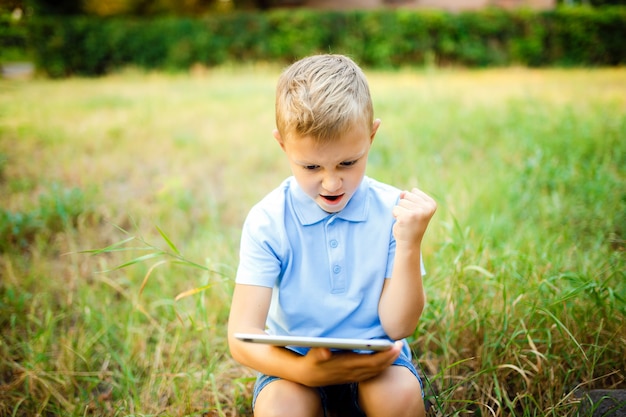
[(308, 212)]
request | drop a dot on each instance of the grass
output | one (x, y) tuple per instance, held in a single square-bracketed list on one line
[(152, 172)]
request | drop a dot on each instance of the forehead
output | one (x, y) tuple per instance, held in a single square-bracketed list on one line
[(352, 144), (322, 127)]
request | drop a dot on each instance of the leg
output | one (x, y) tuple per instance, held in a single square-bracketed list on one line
[(395, 392), (288, 399)]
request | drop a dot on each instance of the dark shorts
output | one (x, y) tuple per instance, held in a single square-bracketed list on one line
[(341, 399)]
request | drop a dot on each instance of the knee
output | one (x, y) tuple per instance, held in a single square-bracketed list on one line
[(288, 399), (400, 396), (409, 401), (283, 407)]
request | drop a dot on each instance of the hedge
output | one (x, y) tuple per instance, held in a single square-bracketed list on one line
[(573, 36), (13, 39)]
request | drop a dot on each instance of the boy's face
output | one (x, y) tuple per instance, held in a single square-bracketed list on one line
[(331, 172)]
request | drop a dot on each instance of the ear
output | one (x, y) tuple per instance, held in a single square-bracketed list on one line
[(375, 127), (279, 138)]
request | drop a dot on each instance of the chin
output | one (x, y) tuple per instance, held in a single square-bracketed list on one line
[(332, 208)]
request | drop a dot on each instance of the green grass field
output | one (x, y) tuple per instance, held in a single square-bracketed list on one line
[(525, 256)]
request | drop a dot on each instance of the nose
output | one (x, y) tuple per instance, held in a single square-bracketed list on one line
[(331, 183)]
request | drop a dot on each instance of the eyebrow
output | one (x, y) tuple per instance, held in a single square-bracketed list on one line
[(350, 159)]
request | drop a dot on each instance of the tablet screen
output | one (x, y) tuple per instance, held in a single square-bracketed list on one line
[(325, 342)]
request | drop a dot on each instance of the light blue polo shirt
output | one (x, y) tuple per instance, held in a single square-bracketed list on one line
[(326, 270)]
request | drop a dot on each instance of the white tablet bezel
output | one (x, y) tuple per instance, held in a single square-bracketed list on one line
[(325, 342)]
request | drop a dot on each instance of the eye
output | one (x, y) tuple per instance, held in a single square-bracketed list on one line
[(310, 167), (348, 163)]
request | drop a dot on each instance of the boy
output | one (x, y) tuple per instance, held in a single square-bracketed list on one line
[(330, 253)]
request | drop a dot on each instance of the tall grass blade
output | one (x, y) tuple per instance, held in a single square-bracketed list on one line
[(136, 261), (566, 330), (192, 291), (216, 395), (116, 247), (147, 276), (168, 240), (479, 269)]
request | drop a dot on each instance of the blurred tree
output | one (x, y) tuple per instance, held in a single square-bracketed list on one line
[(10, 5), (106, 8), (180, 7), (55, 7), (595, 3), (142, 7), (608, 2), (265, 4)]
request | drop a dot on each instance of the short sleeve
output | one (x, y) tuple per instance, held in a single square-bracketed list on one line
[(259, 263)]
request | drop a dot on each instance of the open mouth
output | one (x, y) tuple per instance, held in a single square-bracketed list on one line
[(332, 198)]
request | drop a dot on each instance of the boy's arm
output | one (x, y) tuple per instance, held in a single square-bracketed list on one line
[(248, 312), (402, 299), (249, 308)]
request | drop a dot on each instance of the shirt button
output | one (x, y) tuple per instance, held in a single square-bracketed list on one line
[(336, 269), (334, 243)]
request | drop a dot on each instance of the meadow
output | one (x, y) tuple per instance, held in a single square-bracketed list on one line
[(122, 198)]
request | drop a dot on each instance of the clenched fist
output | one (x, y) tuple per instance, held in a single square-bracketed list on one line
[(412, 213)]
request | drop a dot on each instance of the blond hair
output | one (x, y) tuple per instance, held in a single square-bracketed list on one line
[(322, 96)]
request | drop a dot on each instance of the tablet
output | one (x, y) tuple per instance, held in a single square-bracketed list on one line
[(325, 342)]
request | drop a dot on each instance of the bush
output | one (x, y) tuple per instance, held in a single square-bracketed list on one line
[(575, 36), (586, 35), (13, 35)]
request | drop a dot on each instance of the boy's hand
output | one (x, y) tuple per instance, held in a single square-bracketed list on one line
[(412, 214), (323, 367)]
